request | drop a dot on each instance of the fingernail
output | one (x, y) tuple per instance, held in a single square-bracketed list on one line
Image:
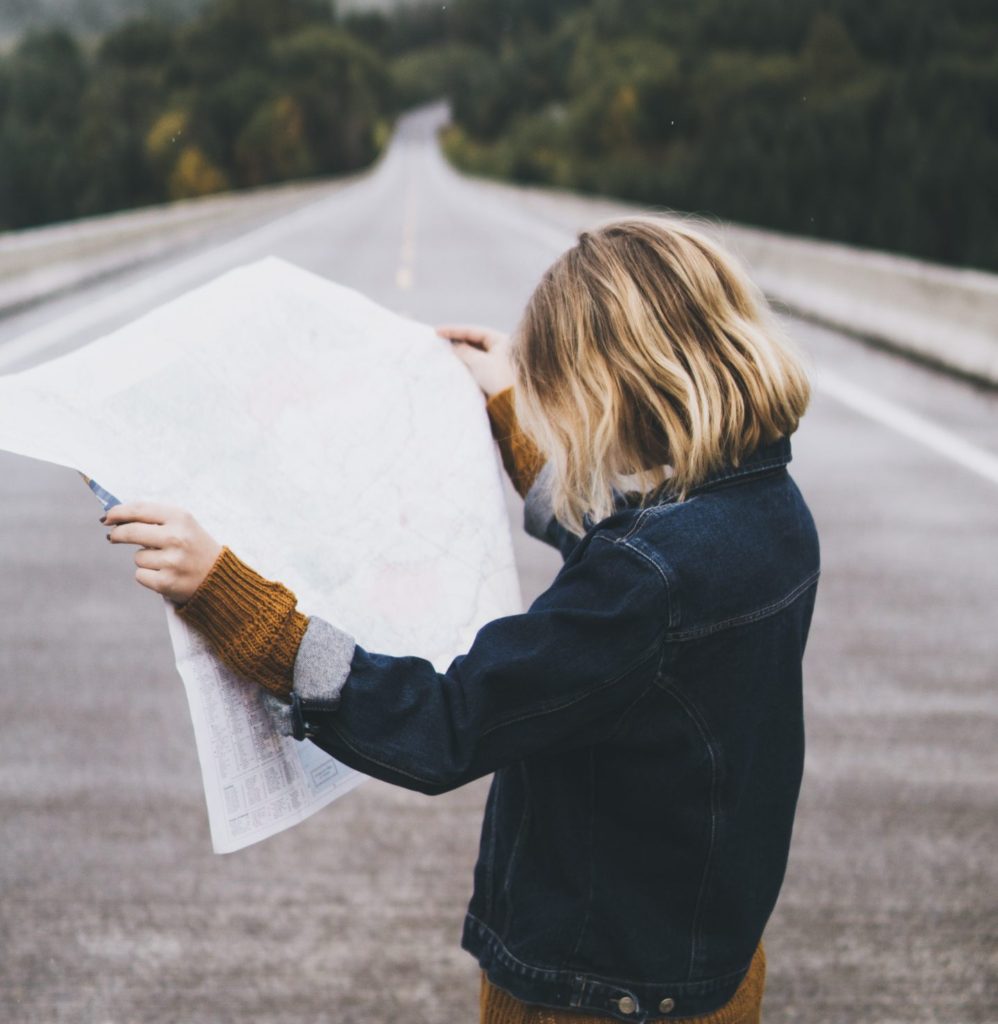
[(108, 537), (103, 518)]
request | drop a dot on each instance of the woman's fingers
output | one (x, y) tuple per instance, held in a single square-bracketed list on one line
[(490, 365), (151, 578), (176, 552), (138, 512), (153, 558), (468, 354), (143, 534), (472, 334)]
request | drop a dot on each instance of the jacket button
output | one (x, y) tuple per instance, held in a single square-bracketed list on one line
[(626, 1004), (666, 1005)]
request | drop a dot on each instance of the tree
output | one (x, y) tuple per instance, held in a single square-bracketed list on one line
[(43, 81), (272, 146), (340, 86)]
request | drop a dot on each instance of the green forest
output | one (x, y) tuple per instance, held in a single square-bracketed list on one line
[(247, 93), (870, 123)]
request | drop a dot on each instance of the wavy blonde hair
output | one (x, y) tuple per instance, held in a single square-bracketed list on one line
[(646, 356)]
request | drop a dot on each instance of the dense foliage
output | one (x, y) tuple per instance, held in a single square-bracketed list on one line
[(872, 123), (247, 93)]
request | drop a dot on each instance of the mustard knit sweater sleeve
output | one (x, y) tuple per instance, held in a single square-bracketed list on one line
[(253, 622), (520, 456)]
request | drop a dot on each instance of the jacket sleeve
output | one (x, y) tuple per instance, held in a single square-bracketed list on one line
[(530, 682)]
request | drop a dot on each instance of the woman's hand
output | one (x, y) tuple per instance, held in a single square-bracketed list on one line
[(175, 551), (485, 352)]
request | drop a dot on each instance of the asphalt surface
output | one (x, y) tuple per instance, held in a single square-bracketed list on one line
[(112, 907)]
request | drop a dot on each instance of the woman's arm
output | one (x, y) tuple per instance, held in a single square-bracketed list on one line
[(252, 622), (555, 677), (582, 653), (486, 353)]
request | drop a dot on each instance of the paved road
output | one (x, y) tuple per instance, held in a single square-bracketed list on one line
[(113, 909)]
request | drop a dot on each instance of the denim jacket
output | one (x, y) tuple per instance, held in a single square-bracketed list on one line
[(643, 721)]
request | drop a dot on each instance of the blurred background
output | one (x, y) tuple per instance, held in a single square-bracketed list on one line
[(438, 156), (872, 123)]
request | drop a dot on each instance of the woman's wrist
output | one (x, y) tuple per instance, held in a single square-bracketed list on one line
[(252, 622)]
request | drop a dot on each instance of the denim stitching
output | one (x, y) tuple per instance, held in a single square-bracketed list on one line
[(671, 597), (742, 620), (490, 866), (689, 987), (623, 542), (499, 725), (708, 740), (578, 698), (638, 519), (746, 471), (592, 854), (757, 467), (382, 764), (530, 969), (630, 707), (507, 882)]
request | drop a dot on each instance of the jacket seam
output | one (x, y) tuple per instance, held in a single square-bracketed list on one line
[(671, 597), (592, 853), (707, 984), (561, 707), (508, 880), (578, 698), (638, 519), (382, 764), (708, 741), (624, 542), (777, 462), (619, 724), (745, 619), (490, 863)]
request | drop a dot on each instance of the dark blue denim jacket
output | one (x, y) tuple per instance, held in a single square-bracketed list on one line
[(644, 723)]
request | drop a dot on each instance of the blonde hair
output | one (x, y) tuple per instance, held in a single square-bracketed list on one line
[(646, 356)]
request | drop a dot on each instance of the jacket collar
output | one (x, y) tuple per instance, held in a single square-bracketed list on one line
[(765, 458)]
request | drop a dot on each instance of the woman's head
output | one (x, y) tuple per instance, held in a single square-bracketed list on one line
[(645, 354)]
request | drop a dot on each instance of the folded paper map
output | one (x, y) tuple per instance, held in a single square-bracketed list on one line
[(333, 445)]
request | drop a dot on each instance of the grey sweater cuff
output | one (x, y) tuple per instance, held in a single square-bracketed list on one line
[(538, 510), (321, 668)]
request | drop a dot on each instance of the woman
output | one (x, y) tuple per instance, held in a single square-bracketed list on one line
[(644, 717)]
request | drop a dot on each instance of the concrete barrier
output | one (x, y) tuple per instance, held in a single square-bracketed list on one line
[(40, 262), (940, 315)]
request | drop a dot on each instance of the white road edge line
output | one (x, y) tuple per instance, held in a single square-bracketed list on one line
[(903, 421)]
